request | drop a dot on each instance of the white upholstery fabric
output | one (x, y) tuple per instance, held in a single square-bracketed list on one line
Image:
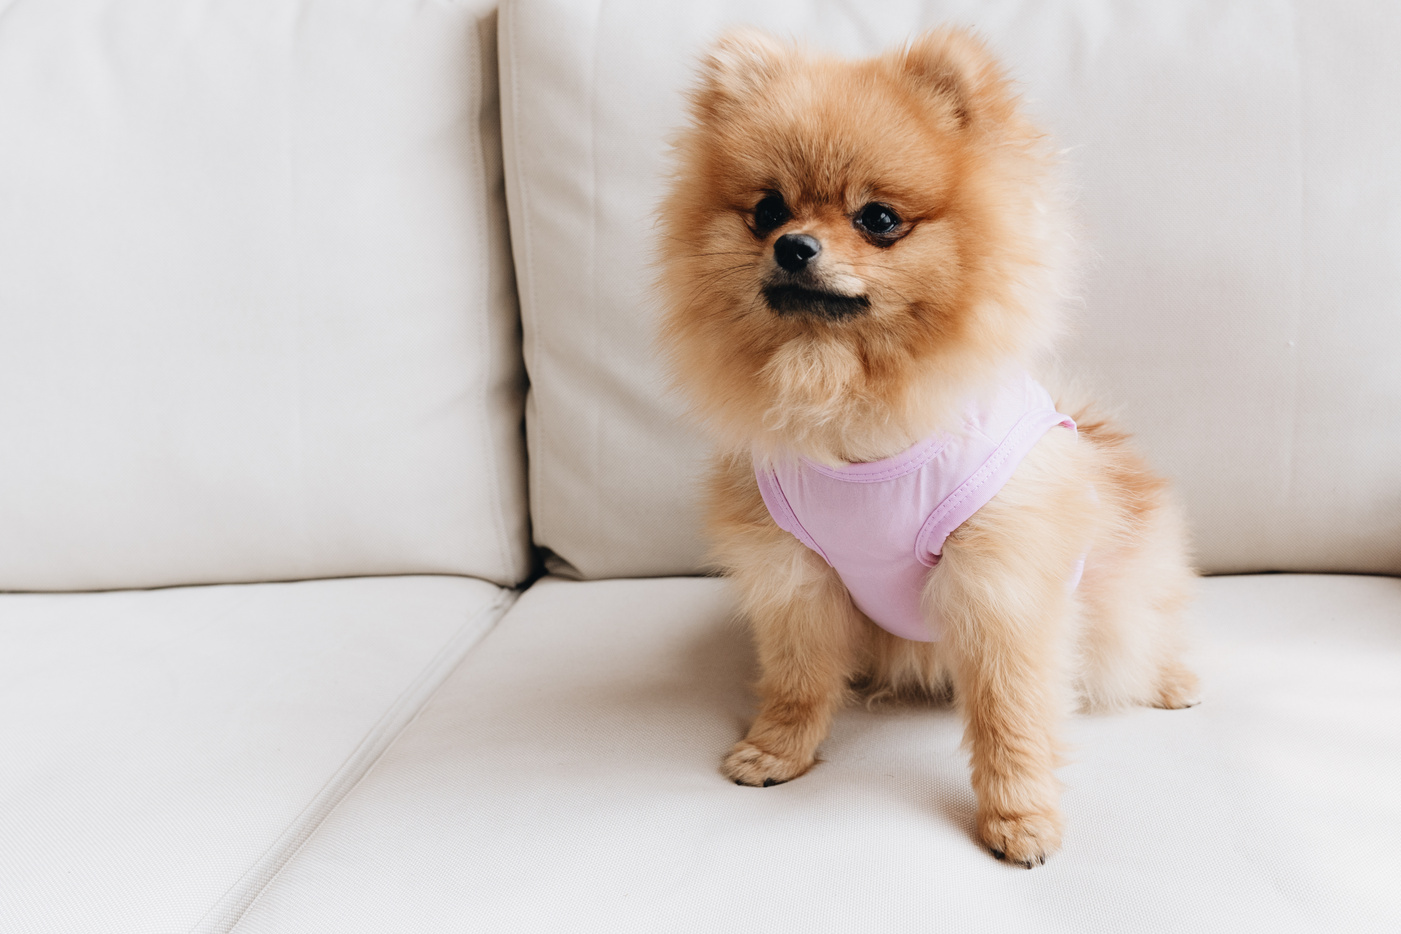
[(163, 752), (1236, 169), (257, 317), (565, 778)]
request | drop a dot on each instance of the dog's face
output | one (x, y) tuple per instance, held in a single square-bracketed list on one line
[(849, 243)]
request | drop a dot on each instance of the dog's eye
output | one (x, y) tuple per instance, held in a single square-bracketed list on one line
[(770, 213), (879, 219)]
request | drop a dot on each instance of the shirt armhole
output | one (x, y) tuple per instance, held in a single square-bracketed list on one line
[(780, 510), (974, 493)]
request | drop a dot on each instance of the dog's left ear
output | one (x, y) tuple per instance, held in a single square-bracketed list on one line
[(962, 78)]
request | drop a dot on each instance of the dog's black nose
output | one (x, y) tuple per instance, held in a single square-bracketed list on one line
[(794, 251)]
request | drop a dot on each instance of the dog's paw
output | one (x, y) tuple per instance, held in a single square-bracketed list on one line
[(747, 764), (1025, 839), (1177, 688)]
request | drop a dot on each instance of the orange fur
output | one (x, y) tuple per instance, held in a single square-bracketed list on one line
[(968, 286)]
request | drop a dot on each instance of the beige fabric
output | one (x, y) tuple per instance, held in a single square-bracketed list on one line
[(1236, 171), (257, 316), (566, 778), (164, 752)]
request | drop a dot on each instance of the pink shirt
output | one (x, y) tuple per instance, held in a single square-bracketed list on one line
[(882, 524)]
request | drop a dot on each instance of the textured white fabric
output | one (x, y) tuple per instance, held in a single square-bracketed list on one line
[(1235, 165), (163, 752), (566, 778), (257, 317)]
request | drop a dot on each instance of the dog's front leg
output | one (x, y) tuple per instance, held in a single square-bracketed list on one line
[(1006, 621), (806, 631)]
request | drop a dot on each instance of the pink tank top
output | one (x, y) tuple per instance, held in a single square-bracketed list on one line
[(882, 524)]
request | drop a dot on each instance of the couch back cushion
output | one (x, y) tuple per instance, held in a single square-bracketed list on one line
[(1236, 173), (257, 312)]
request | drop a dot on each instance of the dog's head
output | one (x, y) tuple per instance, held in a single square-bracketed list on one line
[(850, 246)]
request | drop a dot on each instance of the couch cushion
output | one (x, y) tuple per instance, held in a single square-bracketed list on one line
[(1235, 165), (566, 778), (166, 751), (257, 317)]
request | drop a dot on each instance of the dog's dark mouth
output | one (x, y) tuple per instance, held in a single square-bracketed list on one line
[(796, 300)]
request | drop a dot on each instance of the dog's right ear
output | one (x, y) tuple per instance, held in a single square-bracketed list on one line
[(736, 66), (961, 77)]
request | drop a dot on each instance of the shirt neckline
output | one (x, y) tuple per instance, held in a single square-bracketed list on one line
[(890, 468)]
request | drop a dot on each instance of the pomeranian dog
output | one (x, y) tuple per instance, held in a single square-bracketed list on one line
[(862, 263)]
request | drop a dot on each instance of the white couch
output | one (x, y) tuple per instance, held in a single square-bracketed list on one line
[(275, 652)]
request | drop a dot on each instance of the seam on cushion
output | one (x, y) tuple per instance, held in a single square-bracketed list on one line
[(226, 914), (1300, 153), (491, 372), (522, 252), (594, 359)]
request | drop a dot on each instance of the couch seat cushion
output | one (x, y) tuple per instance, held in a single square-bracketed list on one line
[(566, 779), (165, 751)]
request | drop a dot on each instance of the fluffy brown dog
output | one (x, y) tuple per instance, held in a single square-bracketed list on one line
[(853, 251)]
